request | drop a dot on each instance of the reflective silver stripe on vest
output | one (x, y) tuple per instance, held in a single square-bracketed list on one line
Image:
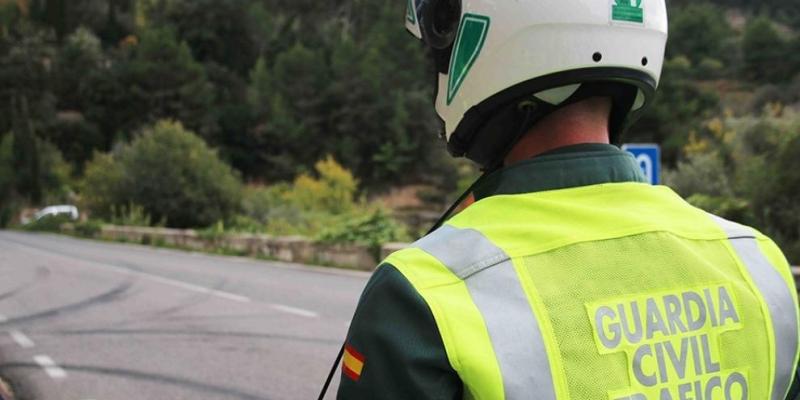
[(778, 297), (495, 289)]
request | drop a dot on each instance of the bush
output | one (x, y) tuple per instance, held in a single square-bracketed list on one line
[(130, 215), (9, 209), (306, 206), (710, 68), (213, 233), (169, 172), (775, 198), (89, 229), (50, 223), (372, 229), (726, 207), (703, 173), (101, 188), (747, 169), (333, 191), (244, 224), (269, 207)]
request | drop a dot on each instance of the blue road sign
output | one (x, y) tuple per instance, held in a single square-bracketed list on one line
[(649, 158)]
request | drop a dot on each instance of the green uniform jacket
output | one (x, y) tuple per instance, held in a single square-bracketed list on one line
[(393, 331)]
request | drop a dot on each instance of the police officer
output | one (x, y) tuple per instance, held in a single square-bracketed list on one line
[(569, 277)]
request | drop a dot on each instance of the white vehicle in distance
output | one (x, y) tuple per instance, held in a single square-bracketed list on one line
[(54, 211)]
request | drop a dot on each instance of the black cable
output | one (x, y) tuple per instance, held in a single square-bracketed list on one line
[(529, 108), (486, 172), (455, 205), (436, 226), (330, 375)]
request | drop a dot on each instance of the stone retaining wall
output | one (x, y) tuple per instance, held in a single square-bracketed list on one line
[(289, 249)]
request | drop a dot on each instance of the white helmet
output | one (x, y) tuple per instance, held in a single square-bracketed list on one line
[(493, 55)]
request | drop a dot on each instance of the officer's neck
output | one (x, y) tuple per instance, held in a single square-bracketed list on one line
[(582, 122)]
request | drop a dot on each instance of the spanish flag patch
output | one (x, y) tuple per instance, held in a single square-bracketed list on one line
[(353, 363)]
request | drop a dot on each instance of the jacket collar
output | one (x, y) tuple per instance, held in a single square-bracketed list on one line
[(564, 168)]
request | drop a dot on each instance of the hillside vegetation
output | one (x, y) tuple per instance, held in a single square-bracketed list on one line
[(276, 98)]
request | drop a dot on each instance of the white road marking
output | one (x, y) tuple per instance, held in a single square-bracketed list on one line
[(22, 340), (3, 318), (50, 367), (294, 310), (193, 288)]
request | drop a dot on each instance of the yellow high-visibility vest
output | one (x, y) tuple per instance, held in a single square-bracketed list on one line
[(618, 291)]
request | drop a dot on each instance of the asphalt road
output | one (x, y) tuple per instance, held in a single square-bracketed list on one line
[(84, 320)]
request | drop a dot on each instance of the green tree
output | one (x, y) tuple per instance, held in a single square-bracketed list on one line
[(111, 19), (793, 58), (234, 119), (26, 100), (679, 108), (698, 31), (156, 79), (7, 176), (52, 174), (289, 103), (261, 86), (8, 195), (768, 172), (217, 31), (80, 55), (385, 79), (764, 52)]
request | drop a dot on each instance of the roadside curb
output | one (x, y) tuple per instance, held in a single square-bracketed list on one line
[(5, 391)]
